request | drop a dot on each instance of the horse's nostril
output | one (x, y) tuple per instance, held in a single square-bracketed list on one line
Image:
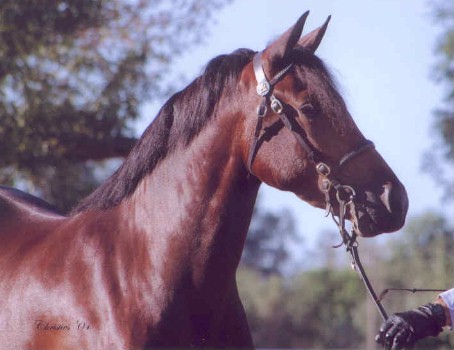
[(386, 196), (395, 200)]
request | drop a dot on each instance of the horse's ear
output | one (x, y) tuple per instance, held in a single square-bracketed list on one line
[(312, 40), (280, 48)]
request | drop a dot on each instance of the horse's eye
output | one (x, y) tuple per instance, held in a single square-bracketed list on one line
[(308, 110)]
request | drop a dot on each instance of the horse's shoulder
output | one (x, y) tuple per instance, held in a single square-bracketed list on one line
[(16, 201)]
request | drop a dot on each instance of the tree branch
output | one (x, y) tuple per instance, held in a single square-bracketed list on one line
[(100, 149)]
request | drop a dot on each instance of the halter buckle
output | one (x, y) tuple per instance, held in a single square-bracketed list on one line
[(276, 105), (262, 110), (347, 191), (323, 169)]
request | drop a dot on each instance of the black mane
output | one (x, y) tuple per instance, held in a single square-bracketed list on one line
[(181, 118), (185, 114)]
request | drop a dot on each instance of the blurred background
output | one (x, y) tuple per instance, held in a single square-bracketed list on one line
[(81, 79)]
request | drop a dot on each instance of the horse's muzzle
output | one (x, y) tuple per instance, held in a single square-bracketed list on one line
[(382, 211)]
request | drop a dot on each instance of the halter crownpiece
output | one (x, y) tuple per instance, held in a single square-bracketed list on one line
[(263, 86)]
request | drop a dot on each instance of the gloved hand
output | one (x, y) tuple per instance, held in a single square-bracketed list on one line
[(403, 329)]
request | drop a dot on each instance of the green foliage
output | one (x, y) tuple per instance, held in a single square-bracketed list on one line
[(422, 257), (327, 306), (270, 236), (324, 303), (435, 161), (263, 298), (425, 246), (315, 309), (73, 75)]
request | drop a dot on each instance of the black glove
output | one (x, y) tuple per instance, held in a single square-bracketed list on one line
[(402, 330)]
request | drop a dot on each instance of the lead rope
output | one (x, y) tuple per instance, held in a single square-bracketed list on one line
[(349, 240), (345, 196), (351, 245), (358, 267), (352, 248)]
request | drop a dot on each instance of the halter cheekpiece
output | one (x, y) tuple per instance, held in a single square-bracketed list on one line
[(265, 89)]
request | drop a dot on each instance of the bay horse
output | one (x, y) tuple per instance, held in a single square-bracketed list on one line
[(149, 258)]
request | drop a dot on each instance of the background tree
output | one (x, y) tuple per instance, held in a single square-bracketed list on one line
[(425, 246), (73, 76), (318, 308), (324, 305), (440, 160), (327, 306), (268, 243), (422, 257)]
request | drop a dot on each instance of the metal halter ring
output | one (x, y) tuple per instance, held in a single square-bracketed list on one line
[(323, 169), (349, 191), (326, 185), (276, 105)]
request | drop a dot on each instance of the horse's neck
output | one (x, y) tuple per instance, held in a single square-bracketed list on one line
[(193, 211)]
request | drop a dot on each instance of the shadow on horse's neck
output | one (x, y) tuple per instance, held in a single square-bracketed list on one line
[(199, 196), (193, 209), (198, 189), (181, 119), (184, 192)]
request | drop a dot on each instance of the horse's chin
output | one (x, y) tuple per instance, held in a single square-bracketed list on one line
[(370, 222), (364, 225)]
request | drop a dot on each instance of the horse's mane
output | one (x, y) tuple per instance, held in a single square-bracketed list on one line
[(185, 114), (181, 118)]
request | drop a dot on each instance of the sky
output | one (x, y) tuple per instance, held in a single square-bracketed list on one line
[(381, 54)]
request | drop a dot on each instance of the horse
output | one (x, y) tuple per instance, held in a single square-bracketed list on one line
[(149, 258)]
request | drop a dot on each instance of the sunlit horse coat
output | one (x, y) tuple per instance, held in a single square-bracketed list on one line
[(149, 259)]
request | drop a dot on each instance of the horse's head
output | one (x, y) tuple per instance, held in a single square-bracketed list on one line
[(306, 141)]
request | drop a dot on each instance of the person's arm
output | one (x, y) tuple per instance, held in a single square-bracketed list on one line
[(446, 299)]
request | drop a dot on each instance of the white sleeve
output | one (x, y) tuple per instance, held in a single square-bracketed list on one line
[(448, 298)]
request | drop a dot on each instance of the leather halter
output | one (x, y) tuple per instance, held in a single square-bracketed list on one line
[(265, 89), (344, 194)]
